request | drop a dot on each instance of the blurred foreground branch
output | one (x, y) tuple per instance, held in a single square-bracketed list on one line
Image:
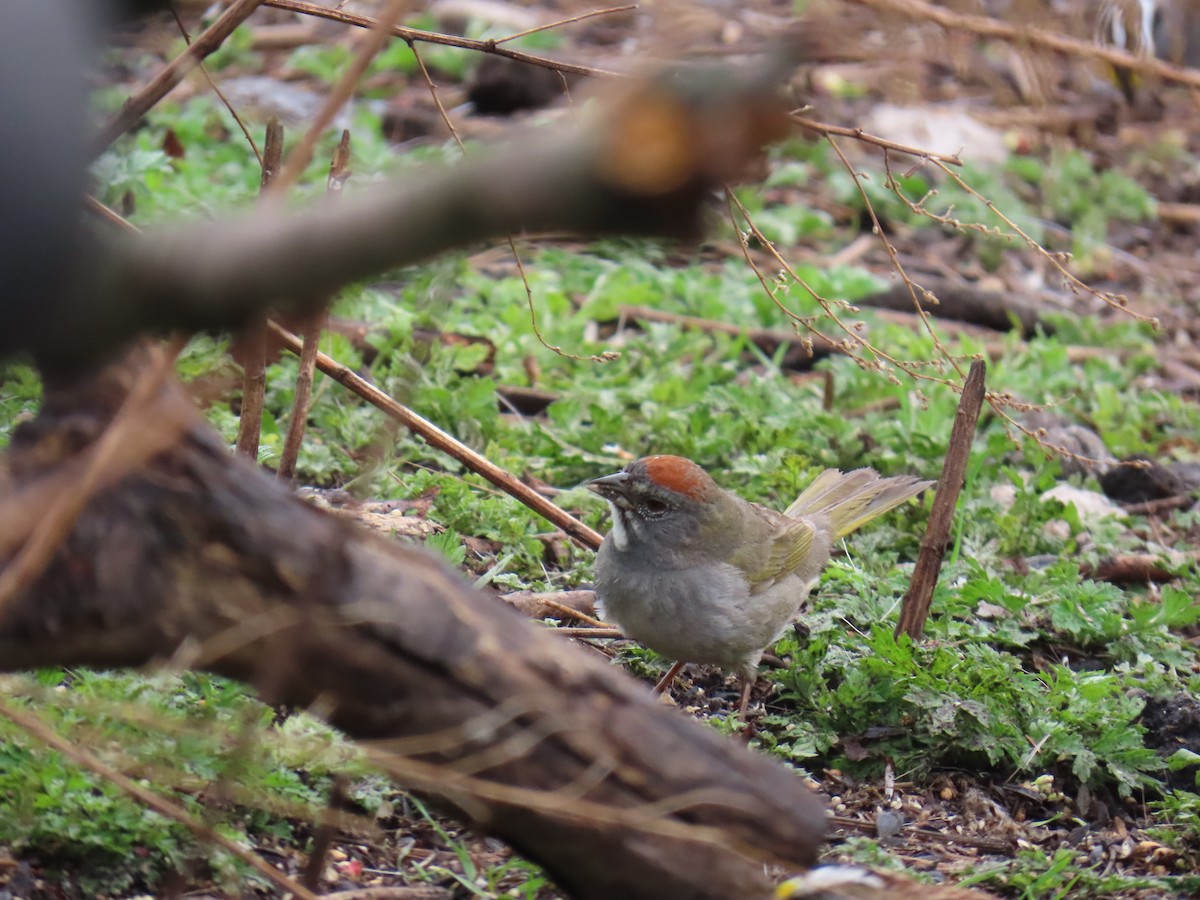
[(644, 165)]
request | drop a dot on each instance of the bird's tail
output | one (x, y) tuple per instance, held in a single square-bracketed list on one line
[(851, 499)]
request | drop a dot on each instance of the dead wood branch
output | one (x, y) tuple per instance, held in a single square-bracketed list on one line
[(963, 303), (1134, 568), (253, 344), (607, 634), (1183, 214), (339, 171), (870, 827), (200, 557), (769, 340), (1162, 505), (915, 607)]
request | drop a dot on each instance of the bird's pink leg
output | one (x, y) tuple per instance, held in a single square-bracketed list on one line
[(747, 686)]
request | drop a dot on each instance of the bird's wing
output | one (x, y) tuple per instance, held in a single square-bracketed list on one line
[(787, 549)]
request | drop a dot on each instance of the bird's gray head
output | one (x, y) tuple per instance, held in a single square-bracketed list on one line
[(657, 501)]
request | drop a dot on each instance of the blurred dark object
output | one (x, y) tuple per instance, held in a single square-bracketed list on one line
[(411, 115), (501, 86), (1173, 723), (44, 46), (1139, 484)]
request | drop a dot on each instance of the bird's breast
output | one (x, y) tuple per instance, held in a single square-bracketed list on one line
[(702, 613)]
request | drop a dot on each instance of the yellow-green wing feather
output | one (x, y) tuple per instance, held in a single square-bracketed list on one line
[(789, 547)]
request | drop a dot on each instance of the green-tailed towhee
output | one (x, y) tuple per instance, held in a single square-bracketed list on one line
[(698, 574)]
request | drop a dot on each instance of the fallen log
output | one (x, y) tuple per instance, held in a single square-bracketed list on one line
[(197, 557)]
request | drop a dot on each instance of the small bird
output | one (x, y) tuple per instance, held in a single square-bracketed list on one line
[(700, 575)]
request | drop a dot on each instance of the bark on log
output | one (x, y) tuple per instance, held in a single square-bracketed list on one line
[(200, 557)]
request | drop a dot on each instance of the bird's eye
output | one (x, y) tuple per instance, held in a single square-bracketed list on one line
[(653, 507)]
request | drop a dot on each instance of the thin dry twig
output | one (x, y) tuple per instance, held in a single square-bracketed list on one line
[(108, 214), (571, 613), (433, 37), (913, 288), (596, 633), (36, 728), (339, 170), (914, 608), (568, 21), (326, 832), (531, 602), (440, 440), (254, 337), (815, 344), (1117, 301), (1135, 568), (949, 837), (999, 402), (825, 130), (605, 357), (380, 34), (871, 357), (437, 98), (187, 38), (174, 72), (804, 325), (1002, 402)]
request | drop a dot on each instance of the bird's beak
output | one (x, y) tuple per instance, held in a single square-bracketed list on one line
[(611, 487)]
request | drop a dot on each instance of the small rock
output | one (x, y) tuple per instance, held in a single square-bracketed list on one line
[(1089, 504), (1080, 443), (1058, 529), (888, 824), (939, 129), (1004, 496)]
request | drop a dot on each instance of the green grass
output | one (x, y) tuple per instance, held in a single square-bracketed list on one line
[(182, 734)]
